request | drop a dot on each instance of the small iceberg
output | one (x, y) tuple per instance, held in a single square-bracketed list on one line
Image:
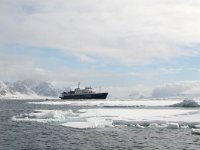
[(187, 103), (139, 126)]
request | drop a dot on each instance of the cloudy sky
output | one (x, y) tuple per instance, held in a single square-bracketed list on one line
[(126, 46)]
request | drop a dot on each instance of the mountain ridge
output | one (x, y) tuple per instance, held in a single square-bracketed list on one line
[(27, 88)]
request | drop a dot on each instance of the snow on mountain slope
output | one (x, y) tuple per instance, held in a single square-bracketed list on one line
[(4, 89), (27, 88)]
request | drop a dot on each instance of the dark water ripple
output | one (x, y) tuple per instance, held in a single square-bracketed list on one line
[(34, 136)]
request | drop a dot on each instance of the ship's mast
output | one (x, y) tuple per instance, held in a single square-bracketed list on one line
[(78, 84)]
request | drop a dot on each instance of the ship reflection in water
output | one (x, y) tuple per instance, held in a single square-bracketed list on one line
[(85, 93)]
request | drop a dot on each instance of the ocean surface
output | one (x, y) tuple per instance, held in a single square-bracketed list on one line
[(108, 124)]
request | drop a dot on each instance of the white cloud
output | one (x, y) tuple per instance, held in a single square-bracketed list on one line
[(182, 88), (170, 70), (140, 91), (118, 91), (19, 67), (152, 74), (129, 31)]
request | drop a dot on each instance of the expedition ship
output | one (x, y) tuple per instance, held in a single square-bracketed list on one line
[(85, 93)]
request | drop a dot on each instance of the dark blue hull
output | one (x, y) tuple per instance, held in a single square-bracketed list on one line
[(86, 96)]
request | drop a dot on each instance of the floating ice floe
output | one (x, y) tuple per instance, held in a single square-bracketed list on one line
[(112, 103), (184, 127), (195, 131), (47, 116), (89, 124), (156, 125), (172, 125), (197, 126), (101, 117)]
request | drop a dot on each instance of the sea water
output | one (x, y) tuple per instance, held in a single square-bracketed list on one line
[(106, 124)]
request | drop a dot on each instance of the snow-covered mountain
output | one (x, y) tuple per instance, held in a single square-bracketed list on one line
[(27, 88)]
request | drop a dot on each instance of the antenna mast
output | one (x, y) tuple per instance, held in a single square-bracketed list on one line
[(78, 84)]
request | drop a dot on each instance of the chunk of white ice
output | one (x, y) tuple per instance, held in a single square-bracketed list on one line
[(195, 131)]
